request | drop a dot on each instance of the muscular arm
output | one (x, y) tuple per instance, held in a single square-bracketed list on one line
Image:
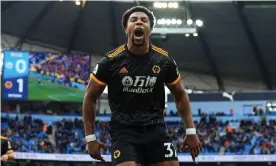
[(182, 103), (92, 93)]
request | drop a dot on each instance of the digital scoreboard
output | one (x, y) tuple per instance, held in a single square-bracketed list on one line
[(43, 76), (15, 75)]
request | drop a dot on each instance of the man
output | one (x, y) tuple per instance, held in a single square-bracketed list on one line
[(135, 74), (6, 150), (38, 81)]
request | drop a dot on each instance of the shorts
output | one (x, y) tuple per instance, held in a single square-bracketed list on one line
[(142, 144)]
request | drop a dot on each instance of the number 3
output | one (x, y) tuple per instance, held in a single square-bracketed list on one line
[(170, 150)]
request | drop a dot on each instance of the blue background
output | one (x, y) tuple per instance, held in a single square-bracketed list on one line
[(11, 74)]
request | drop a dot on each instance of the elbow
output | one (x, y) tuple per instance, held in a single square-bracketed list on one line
[(88, 97), (179, 96)]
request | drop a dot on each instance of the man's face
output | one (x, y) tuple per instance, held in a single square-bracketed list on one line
[(138, 28)]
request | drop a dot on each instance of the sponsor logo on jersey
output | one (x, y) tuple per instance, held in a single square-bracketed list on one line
[(139, 84)]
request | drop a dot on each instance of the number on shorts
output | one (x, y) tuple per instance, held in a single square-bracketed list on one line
[(170, 151)]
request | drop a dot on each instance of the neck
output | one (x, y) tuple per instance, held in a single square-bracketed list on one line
[(138, 50)]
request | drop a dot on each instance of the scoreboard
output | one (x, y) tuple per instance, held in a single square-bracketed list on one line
[(15, 75), (43, 76)]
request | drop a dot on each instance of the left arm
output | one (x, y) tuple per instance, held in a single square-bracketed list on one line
[(182, 103), (173, 82)]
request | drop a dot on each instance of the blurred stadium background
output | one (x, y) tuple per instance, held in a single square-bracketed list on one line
[(225, 52)]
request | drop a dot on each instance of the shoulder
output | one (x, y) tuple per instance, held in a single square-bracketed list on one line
[(160, 51), (165, 54), (112, 55), (115, 52)]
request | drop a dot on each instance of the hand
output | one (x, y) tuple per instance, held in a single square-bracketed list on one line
[(4, 158), (94, 149), (194, 146)]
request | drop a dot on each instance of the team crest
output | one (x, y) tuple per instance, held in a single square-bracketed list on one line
[(8, 84), (156, 69), (116, 154)]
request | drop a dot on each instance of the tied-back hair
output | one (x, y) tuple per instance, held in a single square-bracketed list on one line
[(134, 9)]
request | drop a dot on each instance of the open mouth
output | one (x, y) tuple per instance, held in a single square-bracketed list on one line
[(138, 32)]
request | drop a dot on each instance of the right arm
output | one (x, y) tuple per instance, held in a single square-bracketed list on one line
[(95, 87), (98, 81), (92, 93)]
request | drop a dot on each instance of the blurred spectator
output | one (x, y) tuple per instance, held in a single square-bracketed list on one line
[(28, 134), (217, 137), (64, 69)]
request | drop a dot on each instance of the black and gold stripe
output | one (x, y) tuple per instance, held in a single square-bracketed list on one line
[(93, 77), (175, 81), (117, 51), (159, 50)]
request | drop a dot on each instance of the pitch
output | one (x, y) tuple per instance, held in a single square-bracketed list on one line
[(47, 90)]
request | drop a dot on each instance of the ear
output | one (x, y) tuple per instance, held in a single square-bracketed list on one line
[(126, 31)]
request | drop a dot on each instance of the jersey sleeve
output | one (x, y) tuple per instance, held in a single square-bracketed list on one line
[(100, 73), (172, 74)]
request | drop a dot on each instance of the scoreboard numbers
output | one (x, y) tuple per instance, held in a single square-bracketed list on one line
[(20, 66), (15, 75), (20, 85)]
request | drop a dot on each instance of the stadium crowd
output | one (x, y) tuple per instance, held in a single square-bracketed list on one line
[(68, 68), (44, 108), (219, 137), (27, 134), (67, 136)]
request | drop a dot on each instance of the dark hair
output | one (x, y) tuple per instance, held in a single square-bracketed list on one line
[(143, 9)]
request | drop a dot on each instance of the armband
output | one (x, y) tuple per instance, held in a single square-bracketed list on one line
[(90, 138), (190, 131)]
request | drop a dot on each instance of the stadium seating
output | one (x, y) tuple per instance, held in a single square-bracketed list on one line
[(67, 136)]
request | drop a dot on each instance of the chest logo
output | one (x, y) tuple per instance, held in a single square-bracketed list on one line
[(127, 81), (156, 69), (141, 84)]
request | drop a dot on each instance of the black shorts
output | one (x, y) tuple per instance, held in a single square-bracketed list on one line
[(142, 144)]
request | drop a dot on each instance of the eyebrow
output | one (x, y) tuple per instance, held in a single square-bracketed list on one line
[(143, 17)]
